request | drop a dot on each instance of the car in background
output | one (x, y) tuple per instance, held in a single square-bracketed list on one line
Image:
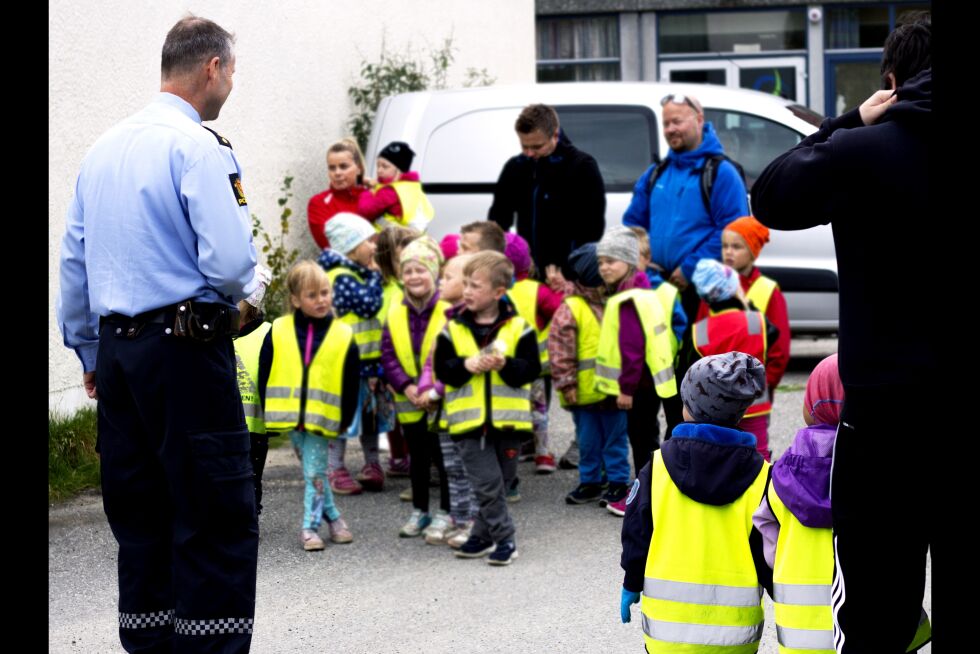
[(462, 138)]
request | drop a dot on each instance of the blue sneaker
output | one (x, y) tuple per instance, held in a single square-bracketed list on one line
[(474, 548), (416, 523), (505, 553)]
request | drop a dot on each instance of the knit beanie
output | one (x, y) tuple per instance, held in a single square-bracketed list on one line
[(620, 243), (719, 388), (755, 233), (425, 251), (715, 281), (584, 263), (449, 246), (398, 153), (824, 396), (346, 231), (518, 252)]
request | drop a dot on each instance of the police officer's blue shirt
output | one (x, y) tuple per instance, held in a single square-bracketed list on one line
[(155, 219)]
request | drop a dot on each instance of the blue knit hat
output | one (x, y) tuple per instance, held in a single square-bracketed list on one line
[(715, 281)]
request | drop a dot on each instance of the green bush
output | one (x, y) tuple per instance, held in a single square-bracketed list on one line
[(73, 465)]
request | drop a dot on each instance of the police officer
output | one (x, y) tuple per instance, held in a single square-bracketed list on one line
[(157, 252)]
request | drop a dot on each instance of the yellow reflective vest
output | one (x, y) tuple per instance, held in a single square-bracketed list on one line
[(410, 360), (417, 211), (367, 331), (667, 294), (761, 292), (587, 346), (701, 593), (466, 407), (524, 296), (247, 350), (802, 576), (317, 405), (659, 355)]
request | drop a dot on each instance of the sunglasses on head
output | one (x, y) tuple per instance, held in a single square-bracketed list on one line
[(680, 98)]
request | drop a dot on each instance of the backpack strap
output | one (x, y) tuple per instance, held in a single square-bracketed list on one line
[(661, 166), (710, 173)]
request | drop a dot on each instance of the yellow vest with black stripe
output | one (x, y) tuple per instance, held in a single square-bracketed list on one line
[(587, 346), (658, 356), (411, 361), (367, 331), (466, 407), (417, 211), (667, 294), (284, 392), (524, 295), (761, 292), (701, 593), (247, 350), (802, 576)]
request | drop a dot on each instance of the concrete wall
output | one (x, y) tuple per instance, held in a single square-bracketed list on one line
[(295, 60)]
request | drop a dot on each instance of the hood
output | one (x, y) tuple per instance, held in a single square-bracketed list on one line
[(801, 476), (636, 280), (710, 145), (711, 464), (914, 100), (592, 295), (466, 316)]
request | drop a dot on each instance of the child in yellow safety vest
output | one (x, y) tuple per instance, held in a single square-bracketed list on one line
[(487, 356), (690, 554), (308, 381), (397, 198), (795, 521)]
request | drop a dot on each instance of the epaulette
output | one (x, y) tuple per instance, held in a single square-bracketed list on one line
[(222, 140)]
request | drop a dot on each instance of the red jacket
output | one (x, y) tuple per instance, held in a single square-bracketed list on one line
[(374, 204), (325, 205)]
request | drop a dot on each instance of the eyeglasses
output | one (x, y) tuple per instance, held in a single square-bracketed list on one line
[(680, 98)]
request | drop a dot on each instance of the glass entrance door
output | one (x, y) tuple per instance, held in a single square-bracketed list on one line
[(782, 76)]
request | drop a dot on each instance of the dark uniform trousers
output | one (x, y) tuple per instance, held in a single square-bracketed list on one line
[(177, 489)]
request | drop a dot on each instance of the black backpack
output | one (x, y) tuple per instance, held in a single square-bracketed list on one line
[(708, 175)]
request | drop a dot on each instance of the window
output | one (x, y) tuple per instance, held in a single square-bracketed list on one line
[(578, 49), (623, 140), (732, 32), (750, 140), (863, 27)]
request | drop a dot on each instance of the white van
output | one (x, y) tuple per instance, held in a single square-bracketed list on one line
[(463, 138)]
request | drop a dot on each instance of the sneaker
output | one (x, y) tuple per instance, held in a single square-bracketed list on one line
[(398, 467), (416, 523), (459, 535), (435, 533), (527, 450), (372, 477), (544, 464), (406, 495), (584, 493), (615, 493), (474, 548), (569, 460), (505, 553), (311, 540), (514, 495), (339, 532), (617, 508), (343, 484)]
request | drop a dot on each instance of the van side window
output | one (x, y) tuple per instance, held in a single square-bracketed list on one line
[(623, 140), (750, 140)]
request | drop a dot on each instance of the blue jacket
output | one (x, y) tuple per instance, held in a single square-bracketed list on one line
[(681, 231)]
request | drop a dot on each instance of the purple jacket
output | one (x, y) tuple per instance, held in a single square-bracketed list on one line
[(632, 341), (428, 379), (418, 322), (801, 478)]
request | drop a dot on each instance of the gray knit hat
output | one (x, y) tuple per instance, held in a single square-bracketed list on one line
[(719, 388), (620, 243)]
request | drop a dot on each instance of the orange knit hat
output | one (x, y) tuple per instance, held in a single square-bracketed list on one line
[(755, 233)]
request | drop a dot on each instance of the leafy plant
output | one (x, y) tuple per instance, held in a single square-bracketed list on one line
[(73, 465), (278, 258)]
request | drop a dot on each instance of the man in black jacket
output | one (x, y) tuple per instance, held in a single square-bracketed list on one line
[(552, 189), (867, 173)]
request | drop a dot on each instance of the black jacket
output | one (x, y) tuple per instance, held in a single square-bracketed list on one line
[(559, 202), (872, 183)]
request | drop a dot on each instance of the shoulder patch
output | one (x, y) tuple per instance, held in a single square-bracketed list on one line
[(633, 489), (222, 140), (236, 187)]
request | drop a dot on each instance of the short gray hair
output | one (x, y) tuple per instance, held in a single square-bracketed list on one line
[(193, 41)]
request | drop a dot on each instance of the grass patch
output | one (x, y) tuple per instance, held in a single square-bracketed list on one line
[(73, 465), (789, 388)]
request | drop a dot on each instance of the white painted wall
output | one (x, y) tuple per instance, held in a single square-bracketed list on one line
[(295, 60)]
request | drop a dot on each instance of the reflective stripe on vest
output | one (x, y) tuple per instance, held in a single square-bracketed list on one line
[(587, 346), (700, 586), (411, 361), (367, 331), (732, 330), (659, 356), (285, 404), (667, 294), (524, 296), (417, 211), (510, 408), (761, 292), (247, 350)]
